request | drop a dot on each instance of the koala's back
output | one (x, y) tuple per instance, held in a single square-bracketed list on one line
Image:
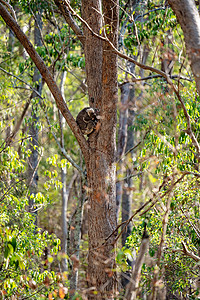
[(83, 116)]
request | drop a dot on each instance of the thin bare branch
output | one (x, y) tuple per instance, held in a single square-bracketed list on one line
[(34, 172), (132, 148), (135, 79), (197, 231), (130, 176), (70, 21), (17, 127), (10, 74), (62, 149), (186, 252), (10, 187), (122, 55), (132, 288)]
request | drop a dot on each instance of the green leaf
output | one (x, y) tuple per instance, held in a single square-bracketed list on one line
[(22, 264), (14, 243), (6, 252), (151, 252)]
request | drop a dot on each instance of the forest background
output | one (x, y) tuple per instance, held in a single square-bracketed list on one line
[(114, 215)]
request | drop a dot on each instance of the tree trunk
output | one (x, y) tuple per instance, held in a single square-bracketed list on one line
[(93, 50), (75, 237), (65, 193), (122, 140), (188, 17), (101, 69), (33, 128), (127, 194), (128, 183)]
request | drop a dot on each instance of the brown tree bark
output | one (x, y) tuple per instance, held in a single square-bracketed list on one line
[(101, 69), (93, 50), (188, 17)]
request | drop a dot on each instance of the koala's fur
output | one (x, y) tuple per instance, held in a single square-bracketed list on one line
[(87, 119)]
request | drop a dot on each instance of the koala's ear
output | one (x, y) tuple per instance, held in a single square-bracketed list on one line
[(90, 111)]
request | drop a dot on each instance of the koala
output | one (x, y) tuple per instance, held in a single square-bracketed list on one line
[(87, 119)]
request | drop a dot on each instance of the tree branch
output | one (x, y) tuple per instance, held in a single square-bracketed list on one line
[(135, 79), (47, 76), (62, 149), (130, 176), (10, 74), (17, 126), (186, 252), (197, 231), (12, 12), (131, 290), (70, 21), (10, 187)]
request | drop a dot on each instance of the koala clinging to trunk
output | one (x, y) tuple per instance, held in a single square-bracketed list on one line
[(87, 119)]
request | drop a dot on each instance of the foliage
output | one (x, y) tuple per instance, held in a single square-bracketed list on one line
[(165, 164), (24, 268), (168, 155)]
